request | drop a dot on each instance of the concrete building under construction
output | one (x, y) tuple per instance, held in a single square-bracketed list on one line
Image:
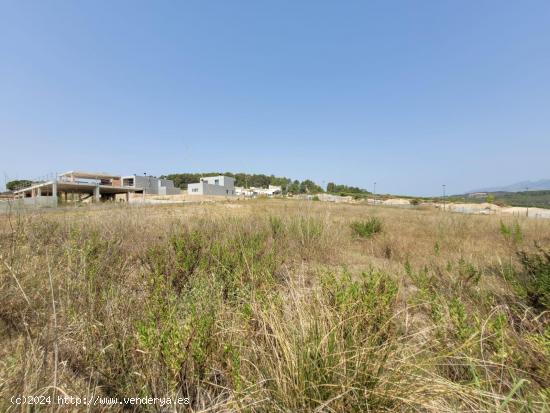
[(151, 185), (78, 186)]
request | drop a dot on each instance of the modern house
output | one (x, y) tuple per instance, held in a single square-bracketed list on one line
[(213, 185), (150, 185), (78, 186), (74, 186)]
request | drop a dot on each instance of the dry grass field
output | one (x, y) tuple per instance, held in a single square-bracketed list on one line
[(276, 306)]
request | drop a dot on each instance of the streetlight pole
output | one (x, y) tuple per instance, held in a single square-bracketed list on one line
[(444, 197), (374, 194)]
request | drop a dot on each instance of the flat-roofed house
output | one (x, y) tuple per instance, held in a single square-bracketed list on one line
[(74, 186), (151, 185), (213, 185)]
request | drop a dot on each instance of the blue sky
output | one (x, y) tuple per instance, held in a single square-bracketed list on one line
[(410, 94)]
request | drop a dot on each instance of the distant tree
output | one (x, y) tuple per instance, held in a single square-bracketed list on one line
[(181, 180), (21, 183), (344, 189), (310, 187), (294, 187), (490, 199)]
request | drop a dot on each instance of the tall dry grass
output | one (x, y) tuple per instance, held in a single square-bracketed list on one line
[(271, 306)]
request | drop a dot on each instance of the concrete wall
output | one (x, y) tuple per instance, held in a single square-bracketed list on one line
[(166, 187), (148, 183), (40, 201), (28, 203)]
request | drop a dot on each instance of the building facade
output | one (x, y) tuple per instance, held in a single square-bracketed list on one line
[(213, 185), (151, 185)]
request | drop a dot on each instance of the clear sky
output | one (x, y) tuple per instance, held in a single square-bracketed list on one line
[(410, 94)]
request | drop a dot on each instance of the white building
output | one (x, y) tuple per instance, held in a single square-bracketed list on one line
[(241, 191), (213, 185), (253, 191), (274, 190)]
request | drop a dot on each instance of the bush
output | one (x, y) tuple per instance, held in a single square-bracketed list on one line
[(366, 229), (511, 233), (537, 277)]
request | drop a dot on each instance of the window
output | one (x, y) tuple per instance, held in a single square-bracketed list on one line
[(227, 191), (216, 181), (195, 190)]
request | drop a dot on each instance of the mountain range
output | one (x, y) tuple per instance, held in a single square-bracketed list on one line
[(540, 185)]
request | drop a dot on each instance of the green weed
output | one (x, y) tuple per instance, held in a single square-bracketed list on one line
[(368, 228)]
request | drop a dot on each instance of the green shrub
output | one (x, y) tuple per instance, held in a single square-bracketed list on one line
[(536, 279), (512, 232), (276, 225), (366, 229), (468, 272), (307, 230)]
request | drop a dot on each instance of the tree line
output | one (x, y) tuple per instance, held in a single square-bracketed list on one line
[(181, 180), (246, 180), (344, 189)]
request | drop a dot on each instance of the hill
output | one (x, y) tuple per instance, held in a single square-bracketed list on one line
[(540, 185), (540, 199)]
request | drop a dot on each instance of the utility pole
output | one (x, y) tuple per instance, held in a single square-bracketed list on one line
[(144, 189), (444, 197), (374, 194), (527, 196)]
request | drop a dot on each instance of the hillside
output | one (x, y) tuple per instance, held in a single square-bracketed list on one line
[(540, 199), (540, 185)]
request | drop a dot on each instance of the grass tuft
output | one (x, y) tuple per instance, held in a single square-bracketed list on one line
[(368, 228)]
